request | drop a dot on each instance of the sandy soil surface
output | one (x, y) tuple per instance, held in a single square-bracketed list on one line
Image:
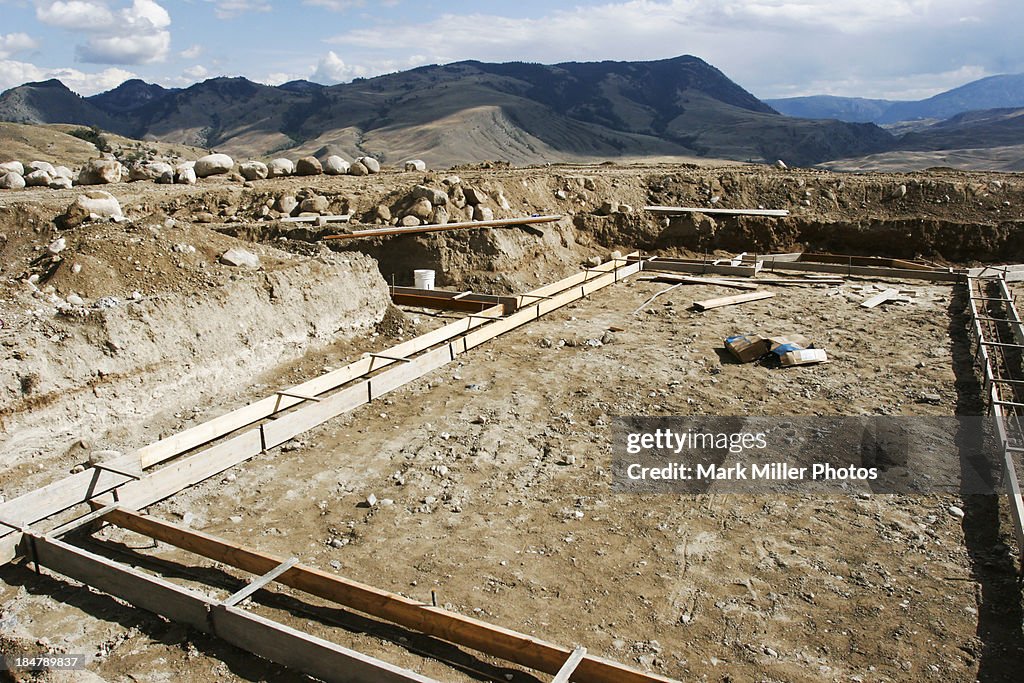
[(499, 478)]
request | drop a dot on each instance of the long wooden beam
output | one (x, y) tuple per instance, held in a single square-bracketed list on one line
[(258, 635), (446, 300), (438, 227), (449, 626), (769, 264)]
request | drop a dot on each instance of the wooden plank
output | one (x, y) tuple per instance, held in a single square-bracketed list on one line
[(865, 271), (449, 626), (679, 210), (294, 649), (699, 267), (498, 223), (708, 304), (277, 431), (439, 302), (565, 674), (260, 636), (509, 302), (880, 298), (184, 473), (80, 522), (687, 280), (259, 583)]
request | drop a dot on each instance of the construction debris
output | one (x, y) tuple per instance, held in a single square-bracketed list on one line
[(687, 280), (708, 304), (881, 298)]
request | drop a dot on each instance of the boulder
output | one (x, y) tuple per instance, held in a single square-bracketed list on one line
[(335, 165), (12, 167), (483, 213), (63, 172), (254, 170), (185, 175), (382, 214), (138, 172), (213, 164), (436, 197), (475, 197), (38, 178), (421, 208), (167, 177), (409, 221), (371, 164), (440, 215), (308, 166), (280, 168), (61, 183), (100, 172), (358, 169), (451, 181), (11, 181), (315, 204), (240, 258), (286, 204), (40, 166), (91, 205), (415, 165)]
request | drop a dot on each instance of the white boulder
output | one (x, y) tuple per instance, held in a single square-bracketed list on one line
[(100, 172), (11, 181), (280, 168), (415, 165), (59, 182), (92, 205), (12, 167), (185, 174), (240, 258), (213, 164), (40, 166), (371, 164), (335, 165), (38, 178), (253, 170)]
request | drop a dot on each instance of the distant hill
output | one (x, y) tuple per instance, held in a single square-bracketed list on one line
[(52, 102), (994, 92), (128, 96), (994, 127), (469, 111)]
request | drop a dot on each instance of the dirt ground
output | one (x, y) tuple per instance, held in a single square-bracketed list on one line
[(499, 478)]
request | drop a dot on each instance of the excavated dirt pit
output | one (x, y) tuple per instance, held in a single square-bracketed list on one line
[(499, 479)]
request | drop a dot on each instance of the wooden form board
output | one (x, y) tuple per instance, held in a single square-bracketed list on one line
[(263, 637), (936, 275), (154, 486), (498, 223), (456, 301), (679, 210), (1016, 497), (674, 265), (708, 304), (449, 626), (687, 280)]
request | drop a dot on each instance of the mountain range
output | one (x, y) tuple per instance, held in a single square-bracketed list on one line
[(523, 113)]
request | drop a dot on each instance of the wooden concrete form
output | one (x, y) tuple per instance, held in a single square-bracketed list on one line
[(110, 487), (497, 223), (688, 280), (264, 637), (454, 301), (452, 627), (934, 275), (680, 210), (1003, 411)]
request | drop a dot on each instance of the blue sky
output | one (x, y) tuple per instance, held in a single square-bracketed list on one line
[(897, 49)]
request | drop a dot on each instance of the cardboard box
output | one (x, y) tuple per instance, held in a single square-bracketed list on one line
[(783, 345), (747, 348), (803, 357)]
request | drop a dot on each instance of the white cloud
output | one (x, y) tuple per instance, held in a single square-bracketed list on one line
[(13, 43), (332, 69), (767, 46), (13, 73), (228, 9), (192, 52), (278, 77), (335, 5), (197, 72), (135, 34)]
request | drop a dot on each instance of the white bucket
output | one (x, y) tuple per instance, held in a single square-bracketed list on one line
[(424, 279)]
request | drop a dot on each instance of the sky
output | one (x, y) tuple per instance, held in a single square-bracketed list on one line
[(893, 49)]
